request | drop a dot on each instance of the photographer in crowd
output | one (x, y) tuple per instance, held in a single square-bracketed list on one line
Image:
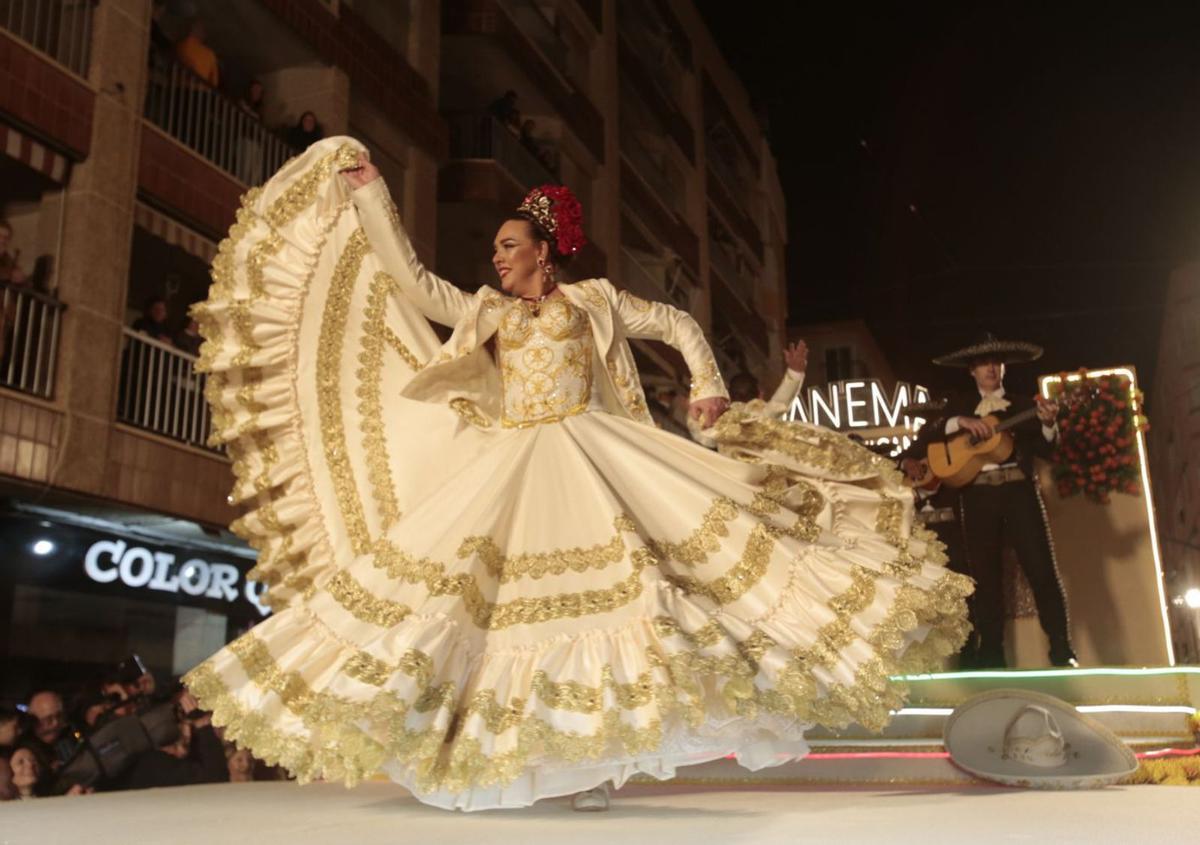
[(195, 755)]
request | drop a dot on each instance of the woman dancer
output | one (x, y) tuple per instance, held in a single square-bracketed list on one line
[(494, 579)]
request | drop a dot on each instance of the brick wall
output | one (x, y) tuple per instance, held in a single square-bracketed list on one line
[(45, 99), (163, 476), (187, 185), (29, 438)]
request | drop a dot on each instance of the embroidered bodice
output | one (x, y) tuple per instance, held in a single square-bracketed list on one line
[(545, 357)]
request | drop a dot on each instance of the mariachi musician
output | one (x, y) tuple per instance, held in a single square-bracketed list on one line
[(1003, 504), (937, 505)]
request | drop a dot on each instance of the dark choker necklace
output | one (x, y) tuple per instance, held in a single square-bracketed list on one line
[(534, 303)]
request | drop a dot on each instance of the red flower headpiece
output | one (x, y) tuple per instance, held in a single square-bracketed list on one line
[(557, 210)]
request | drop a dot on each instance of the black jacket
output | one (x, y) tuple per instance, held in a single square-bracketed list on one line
[(205, 763), (1029, 440)]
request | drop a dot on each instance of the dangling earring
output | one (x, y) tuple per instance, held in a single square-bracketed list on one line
[(547, 272)]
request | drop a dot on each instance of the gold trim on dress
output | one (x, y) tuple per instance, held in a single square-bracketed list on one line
[(330, 343), (370, 406), (351, 740)]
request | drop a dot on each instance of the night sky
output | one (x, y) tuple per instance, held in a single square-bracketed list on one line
[(1031, 168)]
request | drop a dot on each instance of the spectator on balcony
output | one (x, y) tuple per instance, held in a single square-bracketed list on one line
[(306, 132), (251, 164), (188, 338), (504, 109), (194, 54), (10, 269), (153, 321), (254, 100)]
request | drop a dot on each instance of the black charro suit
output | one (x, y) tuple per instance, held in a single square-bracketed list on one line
[(1011, 513)]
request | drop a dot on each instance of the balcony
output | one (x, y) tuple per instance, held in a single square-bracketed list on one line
[(532, 21), (213, 125), (654, 167), (657, 285), (61, 29), (31, 323), (490, 46), (653, 60), (161, 392), (743, 319), (475, 136), (727, 193)]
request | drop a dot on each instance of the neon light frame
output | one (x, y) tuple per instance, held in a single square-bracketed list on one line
[(1147, 493)]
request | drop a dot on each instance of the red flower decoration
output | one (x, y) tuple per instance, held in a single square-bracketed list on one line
[(557, 210), (1097, 449)]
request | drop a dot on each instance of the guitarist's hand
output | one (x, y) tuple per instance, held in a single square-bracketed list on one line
[(1047, 411), (977, 428), (912, 468)]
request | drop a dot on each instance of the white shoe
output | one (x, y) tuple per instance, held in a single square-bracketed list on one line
[(591, 800)]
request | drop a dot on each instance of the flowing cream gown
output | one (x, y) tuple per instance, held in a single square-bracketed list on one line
[(495, 582)]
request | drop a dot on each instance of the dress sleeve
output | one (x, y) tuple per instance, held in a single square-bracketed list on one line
[(435, 297), (659, 321), (789, 386)]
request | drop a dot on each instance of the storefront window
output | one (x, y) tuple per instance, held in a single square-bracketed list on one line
[(75, 601)]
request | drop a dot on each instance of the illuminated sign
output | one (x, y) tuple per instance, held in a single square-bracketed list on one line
[(862, 404), (137, 567), (857, 403)]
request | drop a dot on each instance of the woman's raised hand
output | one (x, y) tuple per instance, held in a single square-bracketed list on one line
[(362, 172)]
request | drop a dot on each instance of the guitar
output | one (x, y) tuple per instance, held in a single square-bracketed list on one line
[(925, 481), (960, 458)]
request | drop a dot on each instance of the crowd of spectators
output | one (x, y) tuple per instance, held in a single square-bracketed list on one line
[(190, 49), (156, 322), (119, 731)]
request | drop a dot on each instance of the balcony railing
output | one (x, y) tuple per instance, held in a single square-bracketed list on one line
[(31, 324), (473, 135), (62, 29), (651, 41), (191, 111), (735, 279), (652, 285), (160, 391), (667, 184), (534, 24)]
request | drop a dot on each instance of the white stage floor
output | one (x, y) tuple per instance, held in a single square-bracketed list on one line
[(286, 814)]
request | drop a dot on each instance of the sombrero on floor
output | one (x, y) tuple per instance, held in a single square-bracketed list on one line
[(988, 345), (1036, 741)]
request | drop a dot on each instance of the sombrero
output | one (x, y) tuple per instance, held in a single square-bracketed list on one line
[(989, 346), (1037, 741)]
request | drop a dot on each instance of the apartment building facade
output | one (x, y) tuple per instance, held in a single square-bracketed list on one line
[(122, 170)]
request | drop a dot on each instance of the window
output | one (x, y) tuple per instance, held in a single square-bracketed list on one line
[(839, 363)]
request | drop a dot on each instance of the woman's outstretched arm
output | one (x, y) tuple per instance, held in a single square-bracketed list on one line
[(435, 297), (659, 321)]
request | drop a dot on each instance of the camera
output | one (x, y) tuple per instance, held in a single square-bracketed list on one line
[(112, 744)]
